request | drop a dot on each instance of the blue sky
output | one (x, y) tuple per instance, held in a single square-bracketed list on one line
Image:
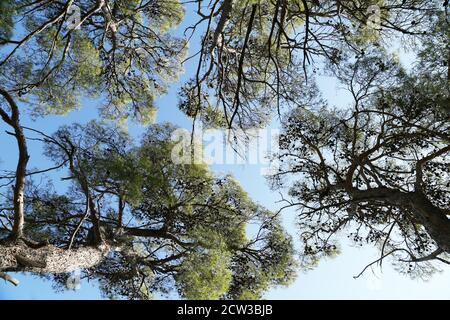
[(332, 279)]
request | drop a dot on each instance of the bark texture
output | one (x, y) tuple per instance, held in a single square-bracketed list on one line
[(19, 186), (50, 259)]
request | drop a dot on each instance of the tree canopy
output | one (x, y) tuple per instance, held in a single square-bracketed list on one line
[(119, 51), (376, 170)]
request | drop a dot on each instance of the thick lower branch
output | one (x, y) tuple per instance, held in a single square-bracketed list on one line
[(50, 259)]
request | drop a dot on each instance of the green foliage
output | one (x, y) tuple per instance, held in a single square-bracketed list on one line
[(205, 274)]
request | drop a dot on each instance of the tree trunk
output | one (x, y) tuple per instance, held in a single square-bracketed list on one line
[(19, 187), (226, 8), (49, 259)]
